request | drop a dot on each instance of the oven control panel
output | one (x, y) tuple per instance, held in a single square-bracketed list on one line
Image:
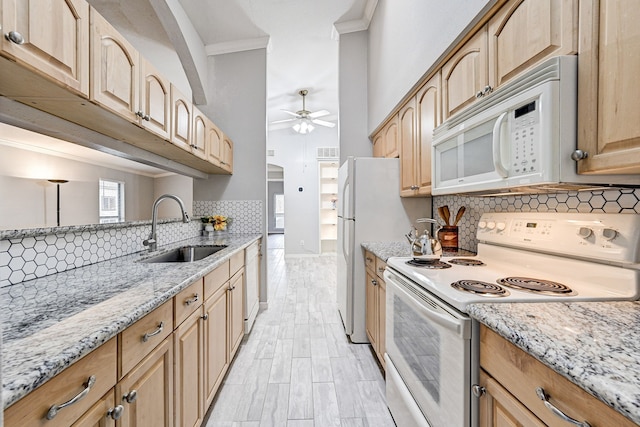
[(598, 236)]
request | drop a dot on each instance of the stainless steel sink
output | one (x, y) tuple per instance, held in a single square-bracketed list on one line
[(185, 254)]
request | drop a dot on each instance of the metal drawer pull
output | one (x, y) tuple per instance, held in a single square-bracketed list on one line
[(53, 411), (146, 336), (14, 37), (478, 390), (115, 413), (190, 301), (557, 412)]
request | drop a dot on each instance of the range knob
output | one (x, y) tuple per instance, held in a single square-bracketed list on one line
[(501, 226), (491, 225), (482, 224), (609, 234), (585, 232)]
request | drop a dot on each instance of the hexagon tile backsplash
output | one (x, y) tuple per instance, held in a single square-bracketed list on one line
[(606, 201), (29, 254)]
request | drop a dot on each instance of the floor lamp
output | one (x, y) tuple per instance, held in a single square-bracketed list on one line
[(57, 182)]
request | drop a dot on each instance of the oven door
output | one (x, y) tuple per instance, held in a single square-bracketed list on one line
[(430, 347)]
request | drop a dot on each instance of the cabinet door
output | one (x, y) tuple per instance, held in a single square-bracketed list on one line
[(382, 318), (216, 338), (114, 69), (214, 140), (103, 414), (180, 120), (429, 114), (465, 74), (226, 154), (525, 32), (371, 308), (148, 390), (236, 301), (55, 37), (608, 109), (407, 142), (199, 134), (498, 408), (390, 135), (189, 371), (155, 100), (378, 145)]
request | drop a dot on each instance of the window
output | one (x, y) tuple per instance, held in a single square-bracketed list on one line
[(279, 210), (111, 201)]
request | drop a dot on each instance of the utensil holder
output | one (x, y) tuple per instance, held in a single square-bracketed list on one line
[(448, 236)]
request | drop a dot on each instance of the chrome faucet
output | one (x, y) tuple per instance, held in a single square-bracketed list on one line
[(152, 242)]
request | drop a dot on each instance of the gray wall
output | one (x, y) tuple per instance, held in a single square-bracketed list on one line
[(354, 139)]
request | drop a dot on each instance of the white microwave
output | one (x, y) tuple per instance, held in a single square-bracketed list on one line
[(517, 140)]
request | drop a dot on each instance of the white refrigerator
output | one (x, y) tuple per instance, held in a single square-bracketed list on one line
[(369, 209)]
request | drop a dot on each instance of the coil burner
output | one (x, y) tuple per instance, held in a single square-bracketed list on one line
[(433, 264), (480, 288), (466, 261), (540, 286)]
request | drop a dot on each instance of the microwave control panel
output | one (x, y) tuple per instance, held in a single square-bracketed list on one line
[(525, 130)]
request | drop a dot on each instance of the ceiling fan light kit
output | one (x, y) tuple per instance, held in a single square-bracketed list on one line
[(304, 120)]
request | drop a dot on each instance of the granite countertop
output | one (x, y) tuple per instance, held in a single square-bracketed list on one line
[(386, 250), (52, 322), (596, 345)]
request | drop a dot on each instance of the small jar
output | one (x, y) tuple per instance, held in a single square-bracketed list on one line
[(448, 237)]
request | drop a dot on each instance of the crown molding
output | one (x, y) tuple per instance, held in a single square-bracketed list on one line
[(361, 24), (237, 46)]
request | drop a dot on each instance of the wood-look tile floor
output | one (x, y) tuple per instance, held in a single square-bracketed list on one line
[(297, 368)]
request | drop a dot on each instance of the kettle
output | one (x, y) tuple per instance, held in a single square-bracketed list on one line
[(424, 247)]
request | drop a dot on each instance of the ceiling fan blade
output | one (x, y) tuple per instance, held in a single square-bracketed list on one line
[(323, 123), (284, 121), (291, 113), (320, 113)]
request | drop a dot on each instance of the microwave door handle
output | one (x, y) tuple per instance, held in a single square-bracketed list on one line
[(497, 146)]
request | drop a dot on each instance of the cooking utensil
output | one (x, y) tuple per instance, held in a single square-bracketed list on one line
[(444, 214), (459, 215), (441, 213), (424, 247)]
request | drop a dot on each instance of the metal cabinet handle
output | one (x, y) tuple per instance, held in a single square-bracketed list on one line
[(190, 301), (131, 396), (579, 155), (479, 94), (115, 413), (414, 187), (380, 270), (374, 282), (143, 116), (205, 317), (557, 412), (14, 37), (369, 259), (148, 335), (53, 411), (487, 90), (478, 390)]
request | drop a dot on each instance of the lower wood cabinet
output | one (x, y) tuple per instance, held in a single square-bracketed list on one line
[(147, 391), (188, 342), (510, 380), (236, 301), (375, 311), (103, 413), (216, 332)]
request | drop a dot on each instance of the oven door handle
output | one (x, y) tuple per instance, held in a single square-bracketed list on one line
[(447, 320)]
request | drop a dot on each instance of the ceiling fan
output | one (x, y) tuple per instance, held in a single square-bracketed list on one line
[(305, 119)]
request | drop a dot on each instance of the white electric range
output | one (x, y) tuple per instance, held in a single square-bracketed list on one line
[(432, 345)]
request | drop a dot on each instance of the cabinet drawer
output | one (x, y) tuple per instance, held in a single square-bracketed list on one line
[(521, 374), (369, 260), (187, 301), (214, 280), (236, 262), (380, 267), (32, 410), (143, 336)]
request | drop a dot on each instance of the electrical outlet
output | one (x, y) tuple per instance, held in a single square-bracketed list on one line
[(302, 243)]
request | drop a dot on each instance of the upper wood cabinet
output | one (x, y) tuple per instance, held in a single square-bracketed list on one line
[(525, 32), (407, 141), (155, 100), (199, 133), (214, 140), (226, 154), (114, 70), (50, 37), (608, 87), (378, 145), (385, 142), (465, 75), (181, 117)]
